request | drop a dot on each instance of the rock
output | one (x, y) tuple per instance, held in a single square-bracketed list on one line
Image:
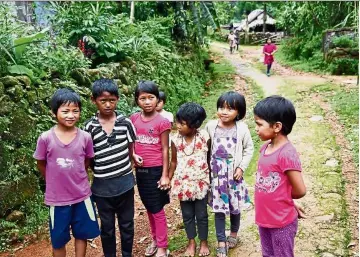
[(332, 162), (125, 64), (16, 93), (1, 88), (351, 244), (133, 68), (15, 216), (31, 97), (317, 118), (6, 105), (332, 195), (80, 77), (327, 255), (324, 218), (9, 81), (25, 81), (129, 60), (123, 78)]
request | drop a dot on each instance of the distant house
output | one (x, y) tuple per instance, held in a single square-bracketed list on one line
[(256, 22)]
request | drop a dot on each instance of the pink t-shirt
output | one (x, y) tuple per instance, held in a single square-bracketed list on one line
[(148, 140), (274, 206), (66, 178)]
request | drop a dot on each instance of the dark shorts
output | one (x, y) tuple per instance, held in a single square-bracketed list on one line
[(80, 217), (152, 197)]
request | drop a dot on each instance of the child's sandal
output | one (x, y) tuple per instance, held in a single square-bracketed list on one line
[(222, 250), (232, 242), (150, 250)]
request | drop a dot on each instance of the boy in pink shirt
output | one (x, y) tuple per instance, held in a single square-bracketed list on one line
[(278, 179)]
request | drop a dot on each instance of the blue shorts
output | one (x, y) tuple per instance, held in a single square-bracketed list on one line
[(80, 217)]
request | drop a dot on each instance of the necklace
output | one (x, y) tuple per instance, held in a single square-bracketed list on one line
[(193, 150)]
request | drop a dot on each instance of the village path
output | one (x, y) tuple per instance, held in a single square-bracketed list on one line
[(331, 227)]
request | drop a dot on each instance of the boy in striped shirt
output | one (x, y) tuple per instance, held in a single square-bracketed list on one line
[(113, 187)]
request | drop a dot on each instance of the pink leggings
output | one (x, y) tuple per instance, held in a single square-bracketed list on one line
[(158, 227)]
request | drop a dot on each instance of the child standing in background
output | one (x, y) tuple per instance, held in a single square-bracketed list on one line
[(269, 51), (189, 172), (63, 155), (152, 163), (231, 152), (160, 106), (278, 178)]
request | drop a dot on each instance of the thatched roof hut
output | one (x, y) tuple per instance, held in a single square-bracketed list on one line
[(256, 22)]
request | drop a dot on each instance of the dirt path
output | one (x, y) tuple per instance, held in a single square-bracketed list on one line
[(329, 170)]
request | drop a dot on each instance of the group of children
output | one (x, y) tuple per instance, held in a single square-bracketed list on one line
[(206, 167)]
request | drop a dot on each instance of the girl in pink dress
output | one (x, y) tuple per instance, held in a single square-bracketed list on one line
[(268, 51)]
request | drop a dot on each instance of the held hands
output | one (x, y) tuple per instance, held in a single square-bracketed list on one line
[(164, 183), (238, 173), (138, 160), (300, 211)]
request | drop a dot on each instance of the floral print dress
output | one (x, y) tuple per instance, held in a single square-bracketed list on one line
[(191, 178), (226, 195)]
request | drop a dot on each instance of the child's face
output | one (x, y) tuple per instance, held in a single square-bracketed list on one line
[(68, 114), (106, 103), (160, 106), (183, 128), (147, 102), (227, 114), (264, 130)]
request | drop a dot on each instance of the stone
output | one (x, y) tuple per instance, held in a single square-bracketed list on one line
[(332, 162), (1, 88), (9, 81), (324, 218), (316, 118), (133, 68), (16, 93), (123, 78), (25, 81), (15, 216), (327, 255)]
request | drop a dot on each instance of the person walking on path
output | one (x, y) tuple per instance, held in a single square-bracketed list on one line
[(269, 50), (232, 41)]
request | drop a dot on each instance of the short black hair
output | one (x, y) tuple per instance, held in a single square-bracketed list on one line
[(162, 96), (104, 85), (276, 108), (146, 86), (192, 113), (235, 101), (64, 96)]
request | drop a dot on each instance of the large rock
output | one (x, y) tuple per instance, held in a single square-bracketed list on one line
[(25, 81), (15, 216), (80, 76), (15, 92), (9, 81)]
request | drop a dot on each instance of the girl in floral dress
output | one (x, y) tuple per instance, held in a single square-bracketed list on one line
[(189, 174), (231, 152)]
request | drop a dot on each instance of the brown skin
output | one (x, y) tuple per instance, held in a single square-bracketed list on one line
[(106, 104), (272, 132), (67, 116), (189, 134)]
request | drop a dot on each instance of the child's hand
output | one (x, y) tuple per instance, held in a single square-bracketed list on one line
[(164, 183), (138, 160), (300, 211), (238, 174)]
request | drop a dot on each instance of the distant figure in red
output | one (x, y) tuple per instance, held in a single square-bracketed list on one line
[(269, 50)]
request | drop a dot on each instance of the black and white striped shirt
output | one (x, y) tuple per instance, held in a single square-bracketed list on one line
[(111, 151)]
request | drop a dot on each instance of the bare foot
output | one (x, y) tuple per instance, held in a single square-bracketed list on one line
[(204, 248), (191, 248), (161, 252)]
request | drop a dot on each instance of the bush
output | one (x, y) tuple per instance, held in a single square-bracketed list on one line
[(292, 48), (344, 42), (344, 66)]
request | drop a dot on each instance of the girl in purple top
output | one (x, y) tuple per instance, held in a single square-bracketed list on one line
[(268, 51), (63, 155), (152, 163)]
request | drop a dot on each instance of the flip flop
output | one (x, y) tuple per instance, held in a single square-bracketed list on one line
[(150, 250), (222, 250), (232, 242), (165, 255)]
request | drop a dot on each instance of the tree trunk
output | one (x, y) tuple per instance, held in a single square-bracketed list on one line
[(264, 18), (247, 30), (132, 11), (196, 22)]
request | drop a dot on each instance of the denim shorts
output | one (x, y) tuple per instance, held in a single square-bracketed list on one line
[(80, 217)]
